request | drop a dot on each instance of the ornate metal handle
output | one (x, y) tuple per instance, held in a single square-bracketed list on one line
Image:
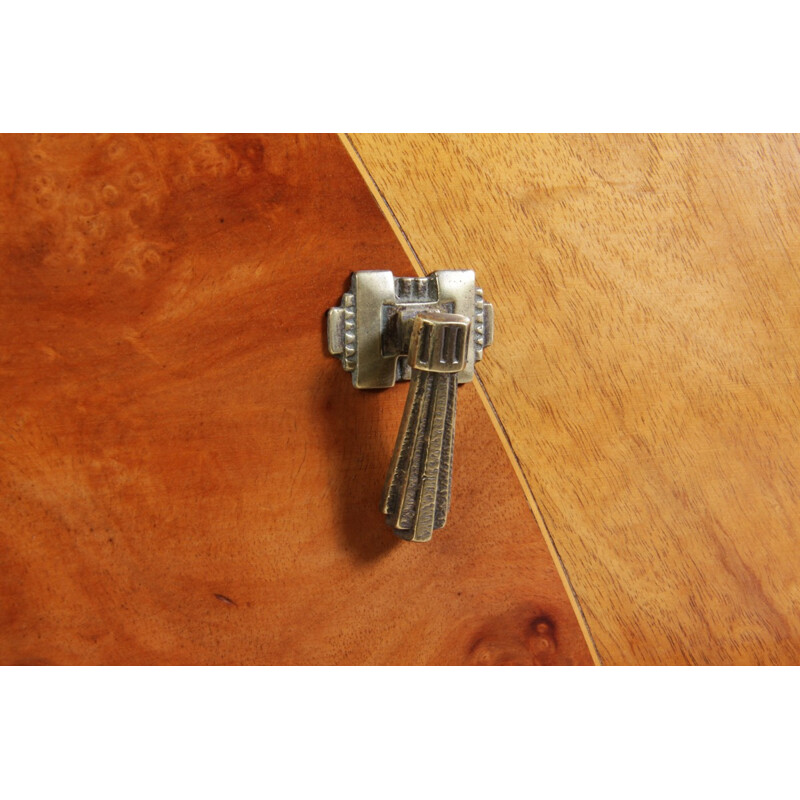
[(430, 331), (416, 497)]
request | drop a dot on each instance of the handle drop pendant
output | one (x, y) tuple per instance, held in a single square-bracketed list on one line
[(416, 497), (430, 331)]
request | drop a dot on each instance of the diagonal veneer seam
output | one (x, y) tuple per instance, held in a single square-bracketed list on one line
[(538, 515)]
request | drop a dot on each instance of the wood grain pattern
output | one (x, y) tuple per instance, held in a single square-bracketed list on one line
[(185, 475), (645, 366)]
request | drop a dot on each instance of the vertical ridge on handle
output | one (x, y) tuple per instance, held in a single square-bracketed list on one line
[(396, 485), (430, 494), (446, 472), (408, 499)]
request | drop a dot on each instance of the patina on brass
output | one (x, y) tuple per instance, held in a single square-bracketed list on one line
[(416, 497), (430, 331)]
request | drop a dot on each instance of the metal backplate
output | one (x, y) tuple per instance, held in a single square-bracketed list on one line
[(370, 330)]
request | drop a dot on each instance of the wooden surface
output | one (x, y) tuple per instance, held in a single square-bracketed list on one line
[(646, 366), (186, 476)]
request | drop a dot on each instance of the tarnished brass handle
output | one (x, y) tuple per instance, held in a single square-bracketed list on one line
[(416, 497), (430, 331)]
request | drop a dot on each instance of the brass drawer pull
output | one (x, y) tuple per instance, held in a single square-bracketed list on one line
[(430, 331)]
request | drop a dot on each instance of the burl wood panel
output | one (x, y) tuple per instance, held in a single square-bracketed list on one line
[(646, 366), (186, 476)]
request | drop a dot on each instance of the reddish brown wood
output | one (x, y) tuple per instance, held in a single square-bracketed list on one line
[(186, 477)]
